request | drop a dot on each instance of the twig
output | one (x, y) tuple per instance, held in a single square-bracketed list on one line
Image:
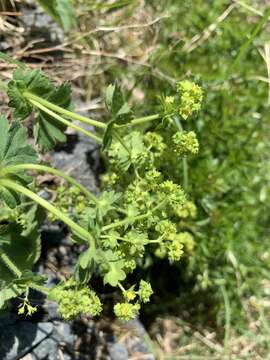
[(266, 57), (208, 343), (198, 39), (248, 7)]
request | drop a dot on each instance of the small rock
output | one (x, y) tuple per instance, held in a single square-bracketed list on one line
[(46, 350), (63, 333), (118, 351), (18, 340)]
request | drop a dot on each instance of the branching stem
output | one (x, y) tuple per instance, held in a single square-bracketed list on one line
[(37, 167), (10, 265), (60, 110), (13, 268), (66, 122), (133, 219), (12, 185), (142, 120)]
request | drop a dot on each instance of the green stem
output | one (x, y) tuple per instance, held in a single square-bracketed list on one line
[(13, 268), (45, 204), (66, 122), (14, 168), (227, 320), (156, 241), (9, 264), (185, 174), (184, 160), (136, 218), (118, 137), (40, 288), (252, 36), (60, 110), (142, 120), (121, 287)]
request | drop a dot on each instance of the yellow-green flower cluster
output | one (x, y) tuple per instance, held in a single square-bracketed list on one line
[(166, 228), (145, 291), (186, 239), (126, 311), (188, 209), (191, 97), (130, 294), (75, 301), (175, 250), (174, 193), (26, 308), (185, 143)]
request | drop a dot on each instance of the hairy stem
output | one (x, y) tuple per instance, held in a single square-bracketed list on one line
[(9, 264), (49, 207), (136, 218), (68, 113), (71, 180), (66, 122), (13, 268)]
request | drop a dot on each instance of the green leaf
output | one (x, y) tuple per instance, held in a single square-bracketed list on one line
[(28, 277), (10, 60), (137, 241), (114, 272), (119, 109), (22, 250), (107, 137), (114, 98), (137, 154), (9, 197), (47, 130), (106, 202), (85, 266), (116, 104), (123, 114), (86, 258), (66, 14), (14, 150), (7, 293), (61, 11), (33, 81)]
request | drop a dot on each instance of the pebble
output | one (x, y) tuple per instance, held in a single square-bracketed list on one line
[(19, 339), (118, 351)]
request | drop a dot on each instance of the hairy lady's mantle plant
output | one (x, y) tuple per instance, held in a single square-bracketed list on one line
[(140, 206)]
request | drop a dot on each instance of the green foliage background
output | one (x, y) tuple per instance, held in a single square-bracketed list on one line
[(229, 179)]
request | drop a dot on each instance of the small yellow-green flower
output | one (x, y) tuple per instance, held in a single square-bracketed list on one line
[(190, 96), (175, 251), (126, 311), (145, 291), (188, 209), (185, 143), (130, 294), (26, 308)]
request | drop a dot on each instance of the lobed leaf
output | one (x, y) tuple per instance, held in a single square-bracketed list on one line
[(47, 131)]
